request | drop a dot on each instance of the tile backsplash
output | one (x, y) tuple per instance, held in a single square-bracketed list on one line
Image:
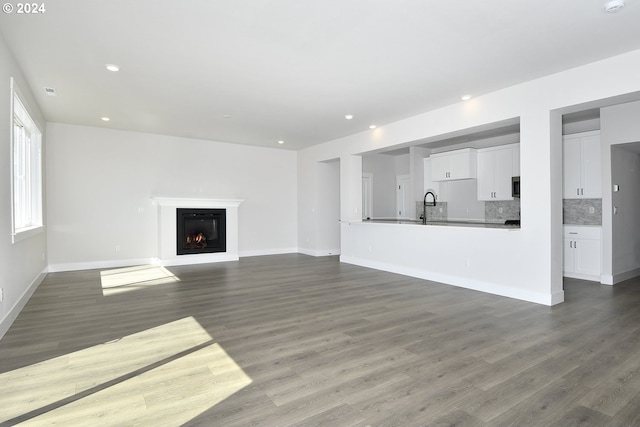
[(574, 211), (434, 213), (501, 211), (497, 212), (582, 211)]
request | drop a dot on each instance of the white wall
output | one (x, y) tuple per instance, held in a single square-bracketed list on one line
[(383, 168), (100, 184), (416, 156), (350, 190), (403, 164), (523, 264), (329, 207), (462, 200), (23, 264)]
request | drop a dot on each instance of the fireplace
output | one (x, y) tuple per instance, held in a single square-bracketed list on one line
[(201, 231), (168, 224)]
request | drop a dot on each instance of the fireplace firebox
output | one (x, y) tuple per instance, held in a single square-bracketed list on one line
[(201, 231)]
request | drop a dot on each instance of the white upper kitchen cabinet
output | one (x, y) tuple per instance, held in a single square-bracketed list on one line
[(454, 165), (439, 188), (495, 170), (581, 157)]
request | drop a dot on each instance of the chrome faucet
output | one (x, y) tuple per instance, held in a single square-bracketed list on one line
[(424, 205)]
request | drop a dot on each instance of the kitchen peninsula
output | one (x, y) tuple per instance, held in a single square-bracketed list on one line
[(446, 223), (466, 195)]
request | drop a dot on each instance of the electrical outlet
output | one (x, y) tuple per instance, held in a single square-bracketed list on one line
[(592, 210), (117, 248)]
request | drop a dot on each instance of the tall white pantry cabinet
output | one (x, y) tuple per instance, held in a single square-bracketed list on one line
[(582, 179)]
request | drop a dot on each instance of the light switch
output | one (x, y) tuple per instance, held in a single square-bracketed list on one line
[(616, 188)]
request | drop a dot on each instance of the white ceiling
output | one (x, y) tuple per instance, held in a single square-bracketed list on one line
[(291, 69)]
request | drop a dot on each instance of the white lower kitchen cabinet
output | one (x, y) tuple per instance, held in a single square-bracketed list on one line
[(582, 252)]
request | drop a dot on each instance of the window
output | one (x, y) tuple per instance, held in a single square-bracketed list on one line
[(26, 176)]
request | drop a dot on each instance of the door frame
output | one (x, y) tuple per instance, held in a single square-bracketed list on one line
[(367, 195)]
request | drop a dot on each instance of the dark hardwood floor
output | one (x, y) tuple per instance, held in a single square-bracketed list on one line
[(295, 340)]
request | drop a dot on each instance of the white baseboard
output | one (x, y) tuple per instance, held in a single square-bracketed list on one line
[(606, 279), (95, 265), (178, 260), (318, 253), (12, 314), (195, 259), (621, 277), (582, 276), (476, 285), (262, 252)]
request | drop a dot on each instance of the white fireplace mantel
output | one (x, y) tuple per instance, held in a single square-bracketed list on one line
[(167, 229), (181, 202)]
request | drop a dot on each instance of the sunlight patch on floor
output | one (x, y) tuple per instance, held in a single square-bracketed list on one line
[(128, 279), (161, 376)]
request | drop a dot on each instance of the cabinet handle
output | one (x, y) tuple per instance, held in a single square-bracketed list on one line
[(575, 245), (577, 191), (582, 191), (570, 244)]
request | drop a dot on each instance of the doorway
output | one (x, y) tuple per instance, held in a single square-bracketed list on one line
[(403, 196)]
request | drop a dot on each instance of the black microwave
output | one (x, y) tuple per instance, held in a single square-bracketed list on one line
[(515, 186)]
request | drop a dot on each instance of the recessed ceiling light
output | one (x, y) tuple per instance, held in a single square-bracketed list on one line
[(105, 119), (280, 142), (50, 91), (613, 6), (349, 116), (113, 67), (465, 97), (372, 127)]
